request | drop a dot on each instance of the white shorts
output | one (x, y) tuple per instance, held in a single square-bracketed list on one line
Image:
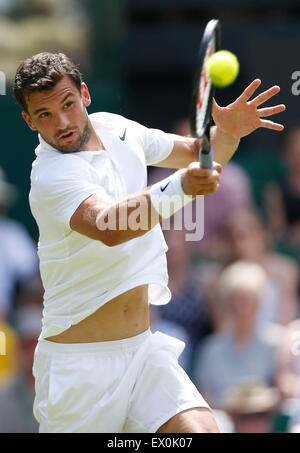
[(126, 386)]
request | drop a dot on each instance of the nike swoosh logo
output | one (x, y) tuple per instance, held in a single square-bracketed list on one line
[(123, 136), (162, 188)]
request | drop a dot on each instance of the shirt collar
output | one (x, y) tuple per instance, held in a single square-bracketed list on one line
[(44, 147)]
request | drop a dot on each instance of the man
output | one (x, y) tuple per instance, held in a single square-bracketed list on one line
[(98, 368)]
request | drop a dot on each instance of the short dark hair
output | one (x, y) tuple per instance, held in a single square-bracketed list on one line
[(42, 72)]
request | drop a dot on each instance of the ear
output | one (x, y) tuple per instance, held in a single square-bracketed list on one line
[(85, 94), (28, 120)]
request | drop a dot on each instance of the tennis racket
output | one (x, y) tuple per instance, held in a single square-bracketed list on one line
[(203, 93)]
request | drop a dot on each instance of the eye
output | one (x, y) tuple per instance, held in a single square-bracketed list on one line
[(44, 115), (68, 104)]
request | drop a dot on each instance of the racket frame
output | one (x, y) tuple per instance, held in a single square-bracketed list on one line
[(200, 115)]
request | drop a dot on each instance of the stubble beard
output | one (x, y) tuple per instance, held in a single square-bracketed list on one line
[(82, 140)]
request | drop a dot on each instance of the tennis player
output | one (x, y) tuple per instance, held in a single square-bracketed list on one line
[(97, 366)]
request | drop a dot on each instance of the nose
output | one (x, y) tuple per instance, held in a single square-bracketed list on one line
[(62, 122)]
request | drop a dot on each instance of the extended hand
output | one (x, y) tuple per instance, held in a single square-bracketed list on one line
[(243, 116)]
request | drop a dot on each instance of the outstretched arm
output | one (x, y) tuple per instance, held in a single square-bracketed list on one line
[(232, 122)]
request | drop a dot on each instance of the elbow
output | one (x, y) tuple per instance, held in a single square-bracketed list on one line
[(106, 235), (110, 238)]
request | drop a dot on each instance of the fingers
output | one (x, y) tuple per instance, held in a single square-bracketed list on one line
[(217, 167), (268, 111), (207, 189), (263, 97), (195, 170), (271, 125), (203, 181), (250, 90), (205, 176), (199, 181)]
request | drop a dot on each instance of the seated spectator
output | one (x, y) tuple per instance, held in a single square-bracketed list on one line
[(247, 239), (17, 393), (174, 330), (253, 408), (288, 375), (8, 354), (18, 257), (243, 353), (283, 201), (187, 307)]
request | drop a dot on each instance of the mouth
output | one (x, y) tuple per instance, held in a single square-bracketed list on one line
[(68, 136)]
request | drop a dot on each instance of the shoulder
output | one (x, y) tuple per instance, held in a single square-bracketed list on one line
[(116, 122), (110, 120)]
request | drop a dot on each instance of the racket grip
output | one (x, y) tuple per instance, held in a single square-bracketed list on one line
[(205, 154), (206, 160)]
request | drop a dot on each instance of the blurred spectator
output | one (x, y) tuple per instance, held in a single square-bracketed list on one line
[(8, 360), (31, 294), (243, 353), (234, 193), (18, 257), (253, 408), (283, 201), (175, 330), (247, 239), (17, 395), (187, 307), (288, 375), (189, 304)]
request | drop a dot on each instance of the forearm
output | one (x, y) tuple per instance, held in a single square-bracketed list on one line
[(185, 151), (127, 219), (223, 145)]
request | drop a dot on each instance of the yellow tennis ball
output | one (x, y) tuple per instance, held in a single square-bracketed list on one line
[(223, 68)]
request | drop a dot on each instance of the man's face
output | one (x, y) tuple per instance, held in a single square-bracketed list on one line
[(60, 115)]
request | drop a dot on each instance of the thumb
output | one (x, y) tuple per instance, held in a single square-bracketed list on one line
[(215, 107), (217, 167)]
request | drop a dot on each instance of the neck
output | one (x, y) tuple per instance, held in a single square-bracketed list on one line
[(94, 143)]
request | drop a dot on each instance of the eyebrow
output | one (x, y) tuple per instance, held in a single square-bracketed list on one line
[(42, 109)]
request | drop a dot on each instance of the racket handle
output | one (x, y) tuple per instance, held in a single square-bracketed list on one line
[(205, 154)]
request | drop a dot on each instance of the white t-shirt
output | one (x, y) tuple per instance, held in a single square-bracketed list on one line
[(81, 274)]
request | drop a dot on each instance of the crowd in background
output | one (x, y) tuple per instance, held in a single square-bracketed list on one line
[(235, 303), (235, 293), (236, 299)]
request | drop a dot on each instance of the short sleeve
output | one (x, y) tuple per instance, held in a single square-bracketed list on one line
[(64, 186), (157, 145)]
